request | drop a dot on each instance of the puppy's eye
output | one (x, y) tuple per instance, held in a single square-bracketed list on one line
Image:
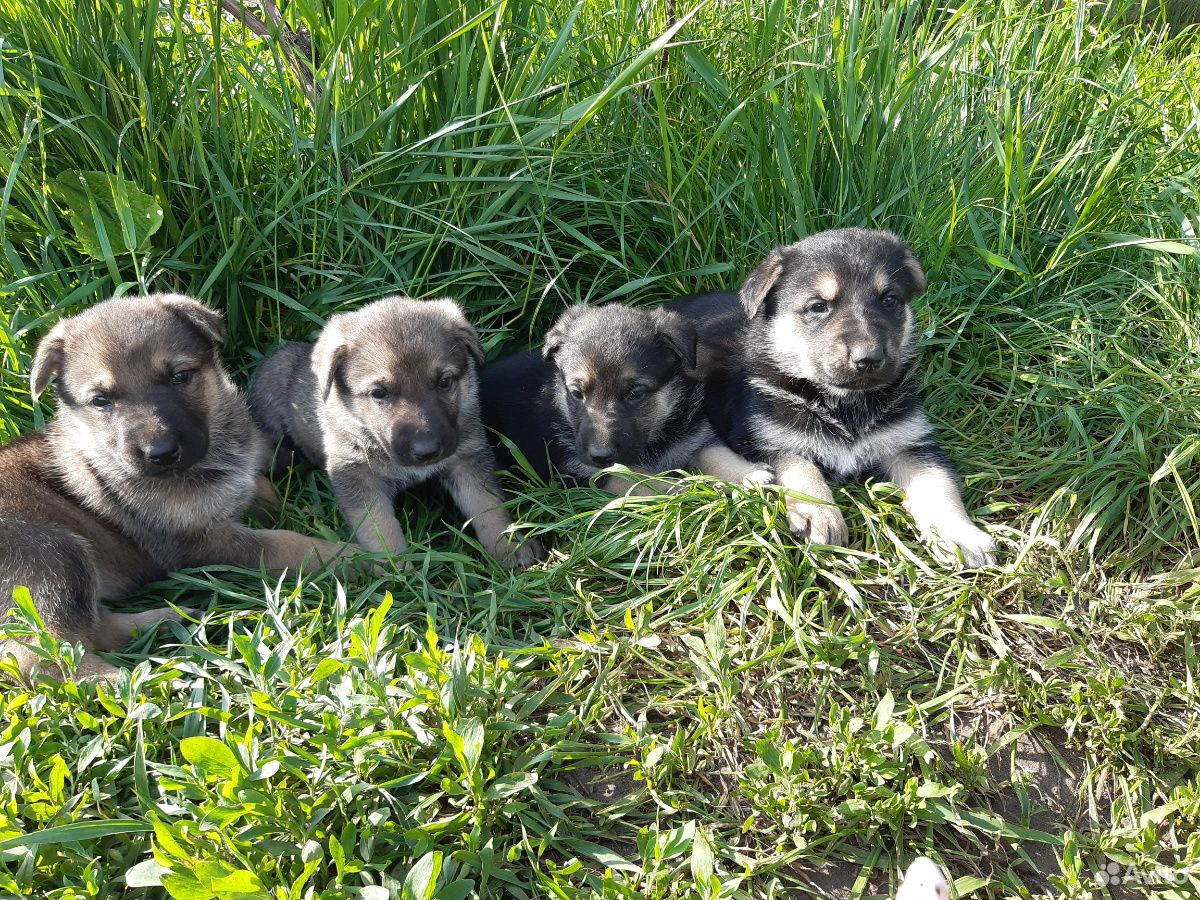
[(575, 392), (99, 401), (636, 394), (818, 307), (183, 376), (447, 381), (889, 301), (377, 393)]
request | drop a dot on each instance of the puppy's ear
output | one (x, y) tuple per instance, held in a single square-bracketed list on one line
[(48, 360), (329, 355), (557, 335), (209, 322), (913, 266), (463, 330), (677, 334), (759, 283)]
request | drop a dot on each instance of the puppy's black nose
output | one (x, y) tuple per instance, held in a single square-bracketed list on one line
[(426, 448), (601, 455), (162, 454), (866, 359)]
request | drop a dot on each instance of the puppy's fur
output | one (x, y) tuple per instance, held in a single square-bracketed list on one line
[(387, 398), (147, 467), (612, 384), (924, 880), (823, 383)]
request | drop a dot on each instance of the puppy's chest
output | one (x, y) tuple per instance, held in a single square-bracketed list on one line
[(845, 442)]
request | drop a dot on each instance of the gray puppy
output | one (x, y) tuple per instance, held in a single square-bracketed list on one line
[(822, 383), (147, 468), (612, 384), (386, 398)]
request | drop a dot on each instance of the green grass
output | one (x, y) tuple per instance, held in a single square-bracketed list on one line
[(681, 702)]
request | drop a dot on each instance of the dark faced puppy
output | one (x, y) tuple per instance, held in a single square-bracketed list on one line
[(146, 468), (823, 384), (838, 309), (612, 384), (385, 399)]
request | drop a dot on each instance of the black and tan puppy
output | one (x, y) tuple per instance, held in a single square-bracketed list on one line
[(611, 384), (823, 383), (387, 398), (147, 467)]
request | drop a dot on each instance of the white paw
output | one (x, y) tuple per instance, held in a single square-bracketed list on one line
[(924, 880), (759, 477), (820, 523), (967, 547)]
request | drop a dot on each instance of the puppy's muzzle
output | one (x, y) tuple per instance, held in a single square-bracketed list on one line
[(426, 448), (867, 358), (166, 454), (601, 454), (423, 448)]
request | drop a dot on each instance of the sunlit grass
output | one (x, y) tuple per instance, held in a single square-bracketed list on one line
[(680, 702)]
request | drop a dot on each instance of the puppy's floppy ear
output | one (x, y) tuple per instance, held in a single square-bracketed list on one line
[(329, 354), (209, 322), (677, 334), (463, 330), (557, 335), (48, 360), (759, 283), (914, 269)]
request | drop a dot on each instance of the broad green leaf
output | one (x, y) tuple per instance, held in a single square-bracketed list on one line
[(75, 832), (104, 209), (212, 757), (147, 873), (421, 881), (241, 881), (702, 858), (510, 784), (186, 886)]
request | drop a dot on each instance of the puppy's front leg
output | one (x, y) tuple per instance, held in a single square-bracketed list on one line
[(821, 523), (367, 503), (471, 481), (932, 498), (720, 462), (275, 549), (624, 486)]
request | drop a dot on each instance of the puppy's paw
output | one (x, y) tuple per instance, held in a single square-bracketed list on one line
[(92, 668), (625, 486), (924, 880), (517, 553), (759, 477), (820, 523), (965, 547)]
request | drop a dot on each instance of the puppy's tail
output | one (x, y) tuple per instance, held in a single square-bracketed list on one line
[(924, 880)]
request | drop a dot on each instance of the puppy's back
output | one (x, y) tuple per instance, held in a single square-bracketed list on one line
[(719, 319), (283, 400), (515, 403)]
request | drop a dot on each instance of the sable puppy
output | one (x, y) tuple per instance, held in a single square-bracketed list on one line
[(147, 467), (822, 384), (387, 398), (612, 384)]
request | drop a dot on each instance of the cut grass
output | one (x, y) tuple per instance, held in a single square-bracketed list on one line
[(681, 701)]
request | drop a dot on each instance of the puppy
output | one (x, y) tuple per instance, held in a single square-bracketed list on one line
[(612, 384), (823, 380), (385, 399), (147, 468)]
